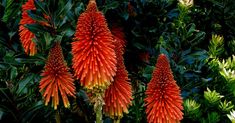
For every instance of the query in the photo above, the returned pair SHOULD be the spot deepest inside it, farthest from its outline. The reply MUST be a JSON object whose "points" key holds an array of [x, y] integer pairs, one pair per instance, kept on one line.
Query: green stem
{"points": [[116, 120], [57, 117], [99, 114]]}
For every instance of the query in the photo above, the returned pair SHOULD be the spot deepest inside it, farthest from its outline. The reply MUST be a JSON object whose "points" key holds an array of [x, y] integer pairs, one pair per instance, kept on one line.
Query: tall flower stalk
{"points": [[94, 59], [163, 101]]}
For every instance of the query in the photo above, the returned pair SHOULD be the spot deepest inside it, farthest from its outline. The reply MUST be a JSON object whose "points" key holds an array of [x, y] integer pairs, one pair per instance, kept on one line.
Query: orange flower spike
{"points": [[25, 35], [56, 78], [118, 95], [163, 101], [94, 59]]}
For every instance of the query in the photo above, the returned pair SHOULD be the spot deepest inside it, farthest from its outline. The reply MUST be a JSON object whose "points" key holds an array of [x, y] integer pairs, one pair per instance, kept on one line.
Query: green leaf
{"points": [[41, 5], [10, 10], [48, 39], [148, 72], [164, 51], [14, 73], [139, 46], [65, 9], [198, 38], [33, 111], [125, 15], [112, 5], [79, 9], [69, 32], [9, 57], [1, 114], [191, 30], [35, 28], [22, 88], [36, 17]]}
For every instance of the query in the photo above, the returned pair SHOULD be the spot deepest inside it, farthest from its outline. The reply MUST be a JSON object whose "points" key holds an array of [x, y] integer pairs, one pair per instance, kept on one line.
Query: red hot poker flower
{"points": [[56, 78], [94, 59], [163, 101], [118, 95], [25, 35]]}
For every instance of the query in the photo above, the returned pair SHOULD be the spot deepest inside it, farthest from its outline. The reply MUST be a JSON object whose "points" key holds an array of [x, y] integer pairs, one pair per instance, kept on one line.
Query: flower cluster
{"points": [[118, 95], [163, 101], [26, 37], [94, 59], [56, 78]]}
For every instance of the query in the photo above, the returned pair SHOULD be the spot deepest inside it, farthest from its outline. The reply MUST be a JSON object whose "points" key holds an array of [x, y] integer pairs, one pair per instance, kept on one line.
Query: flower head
{"points": [[25, 35], [94, 59], [56, 78], [118, 95], [163, 102]]}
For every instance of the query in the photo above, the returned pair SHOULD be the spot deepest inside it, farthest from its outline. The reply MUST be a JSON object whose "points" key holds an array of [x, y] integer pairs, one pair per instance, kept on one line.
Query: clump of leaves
{"points": [[192, 109], [231, 116], [212, 97], [226, 106]]}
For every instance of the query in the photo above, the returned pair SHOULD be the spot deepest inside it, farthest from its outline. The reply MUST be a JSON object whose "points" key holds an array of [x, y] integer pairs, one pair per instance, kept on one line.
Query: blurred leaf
{"points": [[36, 17], [139, 46], [1, 114], [173, 14], [10, 10], [65, 9], [9, 57], [35, 28], [191, 30], [41, 5], [148, 72], [111, 5], [198, 38], [22, 88], [79, 9], [32, 112], [14, 73], [164, 51]]}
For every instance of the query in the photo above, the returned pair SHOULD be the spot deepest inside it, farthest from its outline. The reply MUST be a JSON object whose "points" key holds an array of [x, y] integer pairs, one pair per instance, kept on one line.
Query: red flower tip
{"points": [[163, 101], [119, 35], [91, 7], [25, 35], [118, 95], [94, 59], [56, 78], [29, 5]]}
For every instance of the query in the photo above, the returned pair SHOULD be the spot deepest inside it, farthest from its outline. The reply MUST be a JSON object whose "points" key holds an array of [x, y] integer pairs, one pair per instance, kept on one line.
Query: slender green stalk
{"points": [[57, 117], [99, 114], [116, 120]]}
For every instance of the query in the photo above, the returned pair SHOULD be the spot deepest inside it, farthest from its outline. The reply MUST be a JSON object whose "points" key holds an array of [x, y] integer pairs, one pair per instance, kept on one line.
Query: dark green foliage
{"points": [[199, 41]]}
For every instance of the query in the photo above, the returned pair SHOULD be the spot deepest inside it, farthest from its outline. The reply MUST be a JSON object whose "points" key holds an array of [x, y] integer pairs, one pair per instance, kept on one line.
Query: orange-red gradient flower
{"points": [[56, 78], [94, 59], [118, 95], [163, 102], [119, 35], [25, 35]]}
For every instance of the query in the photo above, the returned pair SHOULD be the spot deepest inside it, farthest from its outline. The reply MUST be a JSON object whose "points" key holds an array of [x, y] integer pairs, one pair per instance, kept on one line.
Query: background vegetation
{"points": [[198, 38]]}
